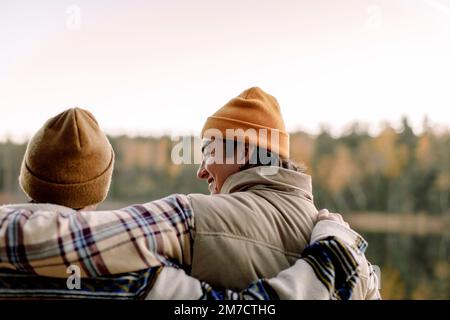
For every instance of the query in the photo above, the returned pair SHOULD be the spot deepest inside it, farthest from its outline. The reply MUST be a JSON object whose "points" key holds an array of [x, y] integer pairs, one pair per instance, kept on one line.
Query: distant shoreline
{"points": [[400, 223], [413, 224], [403, 223]]}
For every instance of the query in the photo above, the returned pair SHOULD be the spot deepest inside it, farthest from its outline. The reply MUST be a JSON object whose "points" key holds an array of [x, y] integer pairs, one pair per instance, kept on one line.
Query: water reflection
{"points": [[412, 267]]}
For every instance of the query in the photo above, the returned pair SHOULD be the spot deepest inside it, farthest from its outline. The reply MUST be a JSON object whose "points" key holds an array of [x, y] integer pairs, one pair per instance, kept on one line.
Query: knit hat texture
{"points": [[252, 109], [69, 161]]}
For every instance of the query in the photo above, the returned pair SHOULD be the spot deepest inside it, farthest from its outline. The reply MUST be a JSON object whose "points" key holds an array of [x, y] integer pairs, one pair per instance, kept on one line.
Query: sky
{"points": [[162, 67]]}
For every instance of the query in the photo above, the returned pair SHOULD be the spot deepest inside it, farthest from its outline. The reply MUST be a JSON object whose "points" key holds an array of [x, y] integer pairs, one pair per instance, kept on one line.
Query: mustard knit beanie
{"points": [[252, 109], [69, 161]]}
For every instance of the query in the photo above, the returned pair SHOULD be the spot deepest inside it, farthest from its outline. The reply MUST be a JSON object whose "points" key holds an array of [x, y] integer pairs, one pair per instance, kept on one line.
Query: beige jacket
{"points": [[256, 227], [298, 282]]}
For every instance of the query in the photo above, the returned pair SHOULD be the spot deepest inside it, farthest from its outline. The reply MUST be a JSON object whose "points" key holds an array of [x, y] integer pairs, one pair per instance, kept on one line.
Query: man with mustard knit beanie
{"points": [[253, 125], [255, 110], [68, 162]]}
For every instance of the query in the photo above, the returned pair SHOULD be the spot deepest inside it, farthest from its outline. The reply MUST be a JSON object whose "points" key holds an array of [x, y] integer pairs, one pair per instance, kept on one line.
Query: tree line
{"points": [[393, 171]]}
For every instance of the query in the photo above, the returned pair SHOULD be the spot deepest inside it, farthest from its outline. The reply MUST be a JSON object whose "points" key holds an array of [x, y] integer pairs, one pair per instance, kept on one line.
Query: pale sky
{"points": [[155, 67]]}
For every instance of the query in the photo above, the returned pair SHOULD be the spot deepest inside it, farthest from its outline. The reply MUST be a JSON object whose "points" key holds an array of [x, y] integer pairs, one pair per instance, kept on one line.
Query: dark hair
{"points": [[263, 157]]}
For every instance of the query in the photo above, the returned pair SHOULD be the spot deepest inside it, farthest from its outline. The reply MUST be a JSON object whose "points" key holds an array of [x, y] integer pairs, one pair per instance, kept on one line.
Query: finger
{"points": [[323, 215], [338, 217]]}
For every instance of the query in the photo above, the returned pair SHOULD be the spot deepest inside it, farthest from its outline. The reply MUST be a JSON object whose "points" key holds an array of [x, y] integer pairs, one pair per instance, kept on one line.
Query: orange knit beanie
{"points": [[69, 161], [253, 111]]}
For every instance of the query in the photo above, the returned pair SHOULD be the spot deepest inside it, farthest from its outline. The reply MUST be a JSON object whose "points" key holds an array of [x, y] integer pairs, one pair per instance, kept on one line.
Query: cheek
{"points": [[222, 172]]}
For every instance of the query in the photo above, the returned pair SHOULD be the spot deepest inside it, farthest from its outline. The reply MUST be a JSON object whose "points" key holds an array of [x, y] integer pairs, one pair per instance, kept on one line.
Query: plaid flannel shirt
{"points": [[333, 263], [119, 252], [46, 242]]}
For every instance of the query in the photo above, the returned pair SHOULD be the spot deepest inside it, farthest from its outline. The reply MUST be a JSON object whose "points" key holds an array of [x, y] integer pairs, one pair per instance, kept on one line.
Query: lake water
{"points": [[412, 266]]}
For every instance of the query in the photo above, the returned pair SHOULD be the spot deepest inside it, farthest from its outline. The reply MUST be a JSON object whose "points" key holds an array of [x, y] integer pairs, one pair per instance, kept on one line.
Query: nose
{"points": [[202, 173]]}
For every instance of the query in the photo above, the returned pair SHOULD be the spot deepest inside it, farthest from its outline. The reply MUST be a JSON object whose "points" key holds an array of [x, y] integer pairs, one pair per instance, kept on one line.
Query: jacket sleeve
{"points": [[369, 288], [46, 242], [327, 270], [373, 284]]}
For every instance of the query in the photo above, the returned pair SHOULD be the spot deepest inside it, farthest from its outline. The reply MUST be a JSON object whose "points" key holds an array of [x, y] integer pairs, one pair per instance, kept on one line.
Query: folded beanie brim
{"points": [[74, 195], [222, 124]]}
